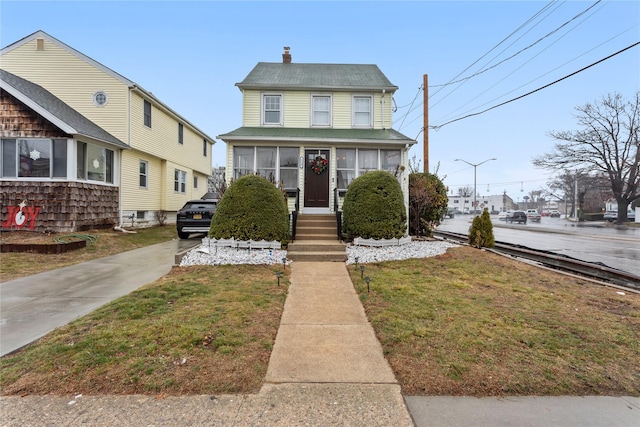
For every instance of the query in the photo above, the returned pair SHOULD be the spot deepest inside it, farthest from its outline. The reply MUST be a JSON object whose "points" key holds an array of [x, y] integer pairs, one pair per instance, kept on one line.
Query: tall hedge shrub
{"points": [[374, 207], [251, 208]]}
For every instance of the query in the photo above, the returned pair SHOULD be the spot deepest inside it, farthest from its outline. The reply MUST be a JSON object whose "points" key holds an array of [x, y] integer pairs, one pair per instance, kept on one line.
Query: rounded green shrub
{"points": [[481, 231], [374, 207], [251, 208]]}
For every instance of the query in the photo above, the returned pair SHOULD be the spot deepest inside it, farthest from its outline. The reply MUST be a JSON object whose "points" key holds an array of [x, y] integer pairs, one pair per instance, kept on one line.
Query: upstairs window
{"points": [[204, 147], [180, 133], [320, 110], [272, 109], [147, 113], [362, 116]]}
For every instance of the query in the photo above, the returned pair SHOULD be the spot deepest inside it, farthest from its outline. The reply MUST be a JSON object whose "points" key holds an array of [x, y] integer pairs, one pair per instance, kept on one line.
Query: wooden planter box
{"points": [[43, 248]]}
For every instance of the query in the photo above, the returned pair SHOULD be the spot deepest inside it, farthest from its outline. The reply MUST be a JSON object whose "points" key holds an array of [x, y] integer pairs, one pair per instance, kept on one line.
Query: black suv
{"points": [[195, 217], [516, 216]]}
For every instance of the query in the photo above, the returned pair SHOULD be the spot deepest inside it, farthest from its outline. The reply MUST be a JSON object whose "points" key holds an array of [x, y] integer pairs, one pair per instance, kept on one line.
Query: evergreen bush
{"points": [[481, 231], [374, 207], [251, 208]]}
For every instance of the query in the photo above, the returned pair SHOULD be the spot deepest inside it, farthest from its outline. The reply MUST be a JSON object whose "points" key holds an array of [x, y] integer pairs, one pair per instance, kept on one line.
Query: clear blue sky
{"points": [[191, 54]]}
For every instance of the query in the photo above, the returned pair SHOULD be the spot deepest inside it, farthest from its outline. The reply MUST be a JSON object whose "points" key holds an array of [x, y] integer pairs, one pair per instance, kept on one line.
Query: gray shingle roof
{"points": [[271, 75], [45, 103], [369, 136]]}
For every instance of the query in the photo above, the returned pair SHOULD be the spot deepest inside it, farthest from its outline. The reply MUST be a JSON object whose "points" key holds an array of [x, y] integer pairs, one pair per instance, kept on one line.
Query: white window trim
{"points": [[322, 95], [262, 109], [353, 110]]}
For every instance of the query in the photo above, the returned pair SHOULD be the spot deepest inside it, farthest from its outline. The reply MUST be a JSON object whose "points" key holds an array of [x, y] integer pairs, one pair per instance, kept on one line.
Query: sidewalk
{"points": [[326, 369]]}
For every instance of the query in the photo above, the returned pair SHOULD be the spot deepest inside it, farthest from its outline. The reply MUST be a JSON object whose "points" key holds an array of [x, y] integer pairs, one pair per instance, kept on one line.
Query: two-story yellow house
{"points": [[160, 160], [315, 128]]}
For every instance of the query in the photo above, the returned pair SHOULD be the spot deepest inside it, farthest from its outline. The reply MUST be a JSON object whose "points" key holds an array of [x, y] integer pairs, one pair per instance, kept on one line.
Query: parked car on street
{"points": [[554, 213], [533, 215], [516, 216], [502, 215], [611, 216], [195, 217]]}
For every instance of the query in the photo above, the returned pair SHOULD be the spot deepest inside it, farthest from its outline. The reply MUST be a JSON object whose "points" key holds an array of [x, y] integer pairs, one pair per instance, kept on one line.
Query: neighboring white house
{"points": [[314, 128], [167, 159]]}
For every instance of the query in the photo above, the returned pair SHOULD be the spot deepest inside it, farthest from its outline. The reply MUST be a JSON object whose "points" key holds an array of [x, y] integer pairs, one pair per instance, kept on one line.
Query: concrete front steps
{"points": [[316, 240]]}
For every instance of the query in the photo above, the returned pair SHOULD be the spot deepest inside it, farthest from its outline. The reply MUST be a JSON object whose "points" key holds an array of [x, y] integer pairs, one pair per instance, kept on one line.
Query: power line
{"points": [[484, 70], [437, 127]]}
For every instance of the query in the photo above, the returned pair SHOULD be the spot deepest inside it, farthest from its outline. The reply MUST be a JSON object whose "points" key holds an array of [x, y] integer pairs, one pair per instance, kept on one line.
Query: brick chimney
{"points": [[286, 56]]}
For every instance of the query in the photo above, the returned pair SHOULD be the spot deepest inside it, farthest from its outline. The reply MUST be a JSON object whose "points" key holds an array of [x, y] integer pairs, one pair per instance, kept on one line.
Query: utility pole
{"points": [[425, 132]]}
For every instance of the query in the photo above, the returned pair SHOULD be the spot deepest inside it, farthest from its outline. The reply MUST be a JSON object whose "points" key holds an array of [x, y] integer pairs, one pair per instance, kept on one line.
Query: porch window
{"points": [[272, 109], [95, 163], [289, 167], [390, 160], [320, 110], [362, 111], [34, 158], [242, 161], [266, 162], [345, 166], [367, 161]]}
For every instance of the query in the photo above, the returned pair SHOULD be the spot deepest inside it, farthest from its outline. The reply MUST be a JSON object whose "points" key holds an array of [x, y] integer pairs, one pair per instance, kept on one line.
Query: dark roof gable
{"points": [[358, 77]]}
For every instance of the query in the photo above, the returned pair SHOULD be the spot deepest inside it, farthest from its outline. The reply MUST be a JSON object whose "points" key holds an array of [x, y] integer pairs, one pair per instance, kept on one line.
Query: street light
{"points": [[475, 165]]}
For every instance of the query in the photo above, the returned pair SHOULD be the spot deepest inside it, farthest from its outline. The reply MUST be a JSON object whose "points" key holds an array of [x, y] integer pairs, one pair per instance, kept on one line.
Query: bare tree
{"points": [[607, 143], [465, 191]]}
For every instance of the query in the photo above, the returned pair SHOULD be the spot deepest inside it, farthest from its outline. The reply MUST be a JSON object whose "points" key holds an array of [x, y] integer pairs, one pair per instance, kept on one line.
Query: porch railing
{"points": [[293, 216]]}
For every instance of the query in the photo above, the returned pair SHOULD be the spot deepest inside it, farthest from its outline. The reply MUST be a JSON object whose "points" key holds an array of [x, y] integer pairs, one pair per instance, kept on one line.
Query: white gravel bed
{"points": [[423, 249], [206, 255], [203, 255]]}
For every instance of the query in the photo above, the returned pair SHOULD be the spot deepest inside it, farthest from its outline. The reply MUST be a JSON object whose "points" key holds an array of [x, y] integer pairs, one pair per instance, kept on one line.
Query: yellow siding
{"points": [[74, 81], [297, 109], [251, 108], [133, 196]]}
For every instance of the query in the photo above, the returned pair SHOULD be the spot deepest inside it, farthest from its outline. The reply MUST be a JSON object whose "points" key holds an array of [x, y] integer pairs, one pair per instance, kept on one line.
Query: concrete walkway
{"points": [[326, 369]]}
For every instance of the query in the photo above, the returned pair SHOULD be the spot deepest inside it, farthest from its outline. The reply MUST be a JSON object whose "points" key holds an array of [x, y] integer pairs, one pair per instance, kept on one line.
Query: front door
{"points": [[316, 179]]}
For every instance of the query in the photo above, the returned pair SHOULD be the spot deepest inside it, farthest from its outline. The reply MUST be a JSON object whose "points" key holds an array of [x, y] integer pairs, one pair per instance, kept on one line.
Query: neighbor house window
{"points": [[271, 109], [320, 110], [242, 161], [345, 166], [266, 162], [289, 167], [362, 116], [147, 113], [94, 163], [195, 182], [144, 173], [204, 147], [34, 158], [179, 181], [180, 133]]}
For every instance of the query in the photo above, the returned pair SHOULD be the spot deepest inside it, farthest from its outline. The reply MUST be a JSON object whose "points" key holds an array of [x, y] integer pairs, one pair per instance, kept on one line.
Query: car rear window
{"points": [[200, 205]]}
